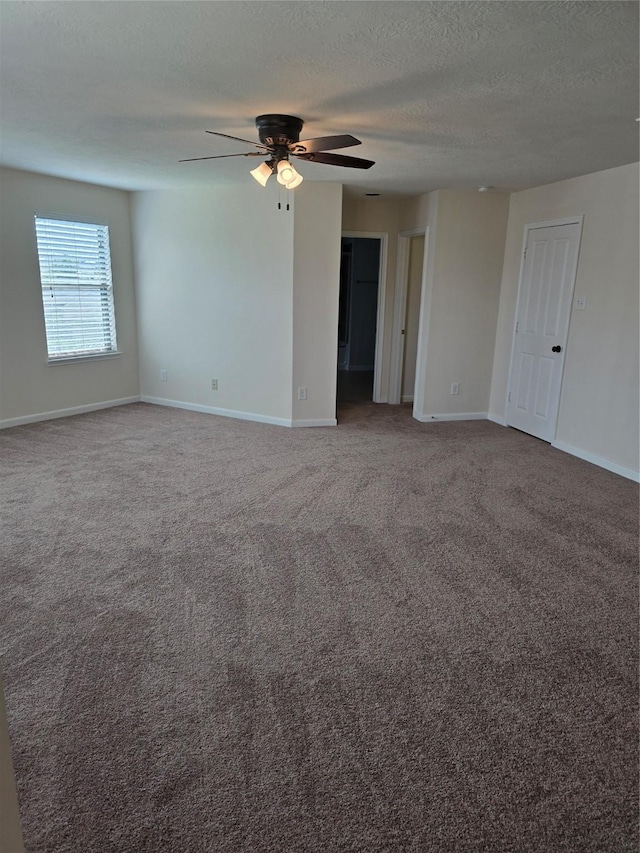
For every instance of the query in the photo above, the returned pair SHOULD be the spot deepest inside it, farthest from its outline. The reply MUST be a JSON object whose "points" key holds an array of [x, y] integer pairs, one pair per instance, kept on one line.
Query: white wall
{"points": [[29, 387], [316, 284], [599, 400]]}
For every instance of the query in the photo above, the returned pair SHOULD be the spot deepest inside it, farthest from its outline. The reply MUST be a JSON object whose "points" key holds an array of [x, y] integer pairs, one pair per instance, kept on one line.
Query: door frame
{"points": [[530, 226], [400, 308], [383, 236]]}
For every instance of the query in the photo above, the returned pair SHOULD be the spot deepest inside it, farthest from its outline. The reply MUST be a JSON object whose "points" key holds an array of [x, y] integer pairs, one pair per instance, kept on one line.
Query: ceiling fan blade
{"points": [[323, 143], [338, 160], [220, 156], [237, 139]]}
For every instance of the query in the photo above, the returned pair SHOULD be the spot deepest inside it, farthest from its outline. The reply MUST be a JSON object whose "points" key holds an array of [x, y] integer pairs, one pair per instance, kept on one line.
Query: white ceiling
{"points": [[442, 94]]}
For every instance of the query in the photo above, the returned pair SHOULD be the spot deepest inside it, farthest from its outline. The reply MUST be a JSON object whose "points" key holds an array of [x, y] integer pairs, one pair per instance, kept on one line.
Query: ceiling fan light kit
{"points": [[280, 140], [262, 173], [287, 174], [295, 181]]}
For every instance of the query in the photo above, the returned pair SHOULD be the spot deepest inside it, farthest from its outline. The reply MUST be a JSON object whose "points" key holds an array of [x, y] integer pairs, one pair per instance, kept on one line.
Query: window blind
{"points": [[77, 293]]}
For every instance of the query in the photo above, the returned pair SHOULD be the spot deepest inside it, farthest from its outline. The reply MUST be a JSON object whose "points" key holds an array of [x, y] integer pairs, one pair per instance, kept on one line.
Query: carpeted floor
{"points": [[230, 637]]}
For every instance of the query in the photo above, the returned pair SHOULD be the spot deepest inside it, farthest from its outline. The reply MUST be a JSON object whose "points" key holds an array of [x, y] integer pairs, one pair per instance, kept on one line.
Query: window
{"points": [[77, 292]]}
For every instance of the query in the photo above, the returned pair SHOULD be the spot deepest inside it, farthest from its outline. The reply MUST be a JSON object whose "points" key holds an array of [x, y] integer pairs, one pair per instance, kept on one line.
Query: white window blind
{"points": [[77, 292]]}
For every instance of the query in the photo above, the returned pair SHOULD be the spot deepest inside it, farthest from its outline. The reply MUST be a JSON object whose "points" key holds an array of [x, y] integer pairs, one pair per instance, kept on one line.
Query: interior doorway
{"points": [[412, 317], [358, 317]]}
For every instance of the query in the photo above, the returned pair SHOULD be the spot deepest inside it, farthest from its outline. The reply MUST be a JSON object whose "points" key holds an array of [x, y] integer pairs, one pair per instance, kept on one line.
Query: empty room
{"points": [[319, 426]]}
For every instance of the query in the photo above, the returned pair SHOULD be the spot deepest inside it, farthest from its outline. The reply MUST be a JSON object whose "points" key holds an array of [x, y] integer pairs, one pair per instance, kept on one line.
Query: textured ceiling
{"points": [[442, 94]]}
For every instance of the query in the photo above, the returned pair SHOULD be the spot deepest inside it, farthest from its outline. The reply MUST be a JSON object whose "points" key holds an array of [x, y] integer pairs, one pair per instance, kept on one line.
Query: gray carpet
{"points": [[389, 636]]}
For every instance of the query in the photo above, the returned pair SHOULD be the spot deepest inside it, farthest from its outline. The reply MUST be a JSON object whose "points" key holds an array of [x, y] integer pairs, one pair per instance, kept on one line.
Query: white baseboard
{"points": [[321, 422], [629, 473], [496, 419], [460, 416], [65, 413], [213, 410], [406, 398]]}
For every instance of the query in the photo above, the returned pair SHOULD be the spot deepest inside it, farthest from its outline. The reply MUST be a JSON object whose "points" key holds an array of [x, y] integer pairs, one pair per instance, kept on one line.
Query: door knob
{"points": [[556, 349]]}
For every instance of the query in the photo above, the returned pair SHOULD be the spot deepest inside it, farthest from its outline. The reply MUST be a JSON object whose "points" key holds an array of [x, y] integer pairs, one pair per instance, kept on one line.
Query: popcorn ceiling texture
{"points": [[225, 637], [442, 94]]}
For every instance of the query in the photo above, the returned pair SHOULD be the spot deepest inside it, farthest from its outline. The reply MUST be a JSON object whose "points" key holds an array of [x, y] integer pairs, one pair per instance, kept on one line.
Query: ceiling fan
{"points": [[280, 140]]}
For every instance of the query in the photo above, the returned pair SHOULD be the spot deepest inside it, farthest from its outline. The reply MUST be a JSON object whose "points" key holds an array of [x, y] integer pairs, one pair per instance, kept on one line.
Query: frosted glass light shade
{"points": [[295, 182], [262, 173], [286, 173]]}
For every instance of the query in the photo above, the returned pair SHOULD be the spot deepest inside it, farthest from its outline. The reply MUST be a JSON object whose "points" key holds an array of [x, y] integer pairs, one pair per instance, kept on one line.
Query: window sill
{"points": [[75, 358]]}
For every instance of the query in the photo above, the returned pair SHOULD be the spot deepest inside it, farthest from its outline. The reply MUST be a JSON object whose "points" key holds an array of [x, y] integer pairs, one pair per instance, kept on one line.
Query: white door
{"points": [[542, 325]]}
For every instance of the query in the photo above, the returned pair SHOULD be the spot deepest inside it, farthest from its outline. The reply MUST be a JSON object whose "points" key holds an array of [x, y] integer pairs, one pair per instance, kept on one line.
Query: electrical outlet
{"points": [[214, 384], [302, 393], [455, 387], [581, 302], [163, 375]]}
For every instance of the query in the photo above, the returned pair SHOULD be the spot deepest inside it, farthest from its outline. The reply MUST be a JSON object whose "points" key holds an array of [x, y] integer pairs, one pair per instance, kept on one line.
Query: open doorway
{"points": [[410, 317], [359, 310]]}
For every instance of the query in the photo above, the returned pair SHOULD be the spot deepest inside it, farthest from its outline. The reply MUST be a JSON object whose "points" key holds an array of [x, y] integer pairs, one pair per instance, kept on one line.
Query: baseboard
{"points": [[213, 410], [629, 473], [460, 416], [321, 422], [406, 398], [65, 413], [496, 419]]}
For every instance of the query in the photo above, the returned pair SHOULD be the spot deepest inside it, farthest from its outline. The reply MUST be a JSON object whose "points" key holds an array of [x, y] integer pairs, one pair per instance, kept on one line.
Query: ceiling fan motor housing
{"points": [[279, 130]]}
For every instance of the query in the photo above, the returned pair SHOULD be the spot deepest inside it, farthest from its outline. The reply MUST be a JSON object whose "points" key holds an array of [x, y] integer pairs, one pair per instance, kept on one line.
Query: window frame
{"points": [[109, 290]]}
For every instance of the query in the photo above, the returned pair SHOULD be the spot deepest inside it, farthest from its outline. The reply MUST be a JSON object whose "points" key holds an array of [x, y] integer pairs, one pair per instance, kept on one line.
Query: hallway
{"points": [[355, 386]]}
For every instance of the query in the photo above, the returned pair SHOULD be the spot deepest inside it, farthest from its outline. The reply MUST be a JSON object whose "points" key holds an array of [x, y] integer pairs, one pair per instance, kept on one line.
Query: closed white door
{"points": [[542, 326]]}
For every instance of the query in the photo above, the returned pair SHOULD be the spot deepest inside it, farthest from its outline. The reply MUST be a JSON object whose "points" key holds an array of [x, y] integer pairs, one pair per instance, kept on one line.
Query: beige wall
{"points": [[459, 303], [599, 399], [231, 288], [469, 248], [214, 279], [316, 283], [28, 385], [222, 275], [417, 212]]}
